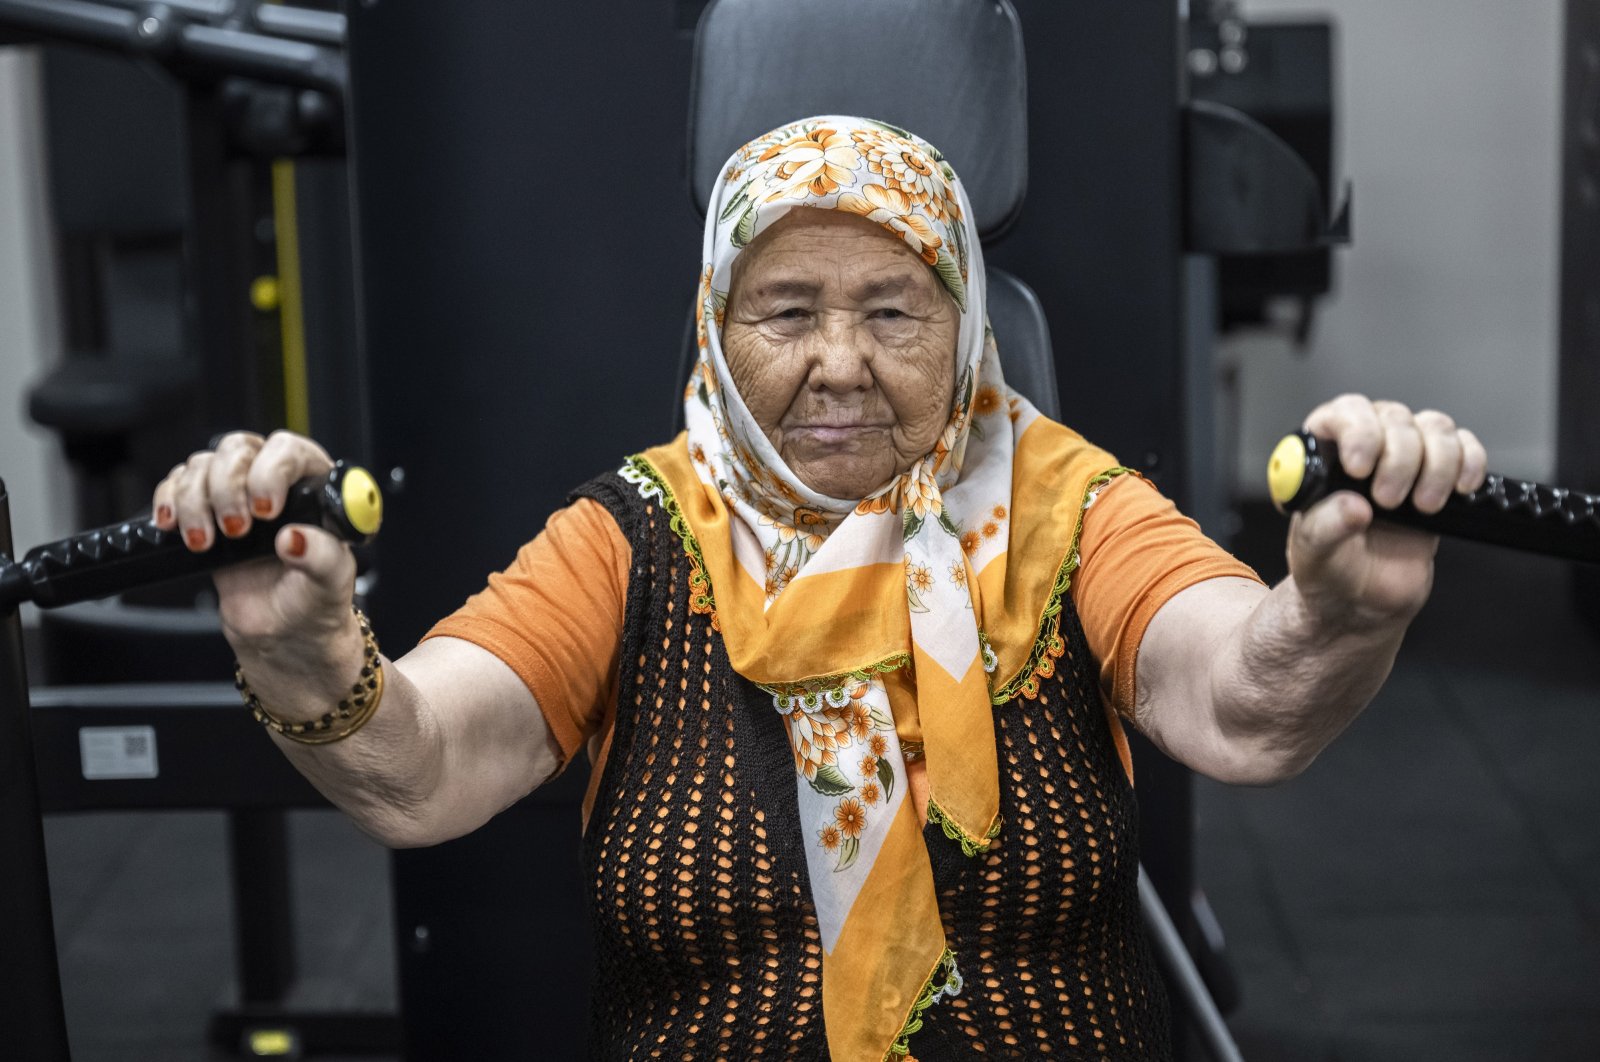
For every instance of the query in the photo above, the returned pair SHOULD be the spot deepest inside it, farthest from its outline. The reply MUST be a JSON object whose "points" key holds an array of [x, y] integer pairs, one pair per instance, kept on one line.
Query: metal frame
{"points": [[31, 1010]]}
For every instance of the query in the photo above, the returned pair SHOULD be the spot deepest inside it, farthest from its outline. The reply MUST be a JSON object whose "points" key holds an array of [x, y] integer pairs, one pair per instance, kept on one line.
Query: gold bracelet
{"points": [[352, 712]]}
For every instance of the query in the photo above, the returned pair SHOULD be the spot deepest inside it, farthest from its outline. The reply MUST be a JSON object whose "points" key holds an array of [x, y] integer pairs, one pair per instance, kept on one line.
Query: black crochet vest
{"points": [[706, 938]]}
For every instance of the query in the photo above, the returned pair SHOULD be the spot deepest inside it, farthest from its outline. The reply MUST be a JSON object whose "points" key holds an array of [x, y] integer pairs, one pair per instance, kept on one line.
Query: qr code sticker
{"points": [[113, 752]]}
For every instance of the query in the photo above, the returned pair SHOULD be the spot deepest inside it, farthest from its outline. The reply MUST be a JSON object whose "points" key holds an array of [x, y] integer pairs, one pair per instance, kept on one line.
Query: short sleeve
{"points": [[1137, 552], [555, 617]]}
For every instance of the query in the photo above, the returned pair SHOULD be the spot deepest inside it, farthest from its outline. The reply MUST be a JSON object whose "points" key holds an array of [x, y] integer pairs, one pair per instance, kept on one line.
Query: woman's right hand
{"points": [[292, 606], [415, 774]]}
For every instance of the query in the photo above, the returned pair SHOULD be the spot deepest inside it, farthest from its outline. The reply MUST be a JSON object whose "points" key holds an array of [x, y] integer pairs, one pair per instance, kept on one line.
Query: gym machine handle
{"points": [[1523, 515], [109, 560]]}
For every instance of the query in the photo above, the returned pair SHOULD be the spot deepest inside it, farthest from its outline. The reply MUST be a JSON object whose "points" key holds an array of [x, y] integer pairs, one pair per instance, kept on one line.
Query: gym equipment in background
{"points": [[346, 502], [275, 43], [1280, 74], [203, 228]]}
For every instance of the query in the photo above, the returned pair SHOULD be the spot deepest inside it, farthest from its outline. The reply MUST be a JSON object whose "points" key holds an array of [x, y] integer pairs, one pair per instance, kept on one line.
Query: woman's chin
{"points": [[844, 476]]}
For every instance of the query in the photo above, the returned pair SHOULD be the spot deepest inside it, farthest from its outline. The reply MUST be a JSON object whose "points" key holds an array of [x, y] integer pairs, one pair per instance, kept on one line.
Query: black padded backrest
{"points": [[1023, 336], [950, 71]]}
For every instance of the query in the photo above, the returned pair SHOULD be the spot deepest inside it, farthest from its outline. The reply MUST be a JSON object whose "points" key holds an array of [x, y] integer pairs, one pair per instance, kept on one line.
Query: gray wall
{"points": [[1450, 120], [30, 461]]}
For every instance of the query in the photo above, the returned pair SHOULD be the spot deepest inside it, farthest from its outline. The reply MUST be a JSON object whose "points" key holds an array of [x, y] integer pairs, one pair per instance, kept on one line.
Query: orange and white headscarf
{"points": [[834, 604]]}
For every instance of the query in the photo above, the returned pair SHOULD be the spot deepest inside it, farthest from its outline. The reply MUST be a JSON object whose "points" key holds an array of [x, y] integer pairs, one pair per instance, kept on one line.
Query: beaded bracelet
{"points": [[350, 715]]}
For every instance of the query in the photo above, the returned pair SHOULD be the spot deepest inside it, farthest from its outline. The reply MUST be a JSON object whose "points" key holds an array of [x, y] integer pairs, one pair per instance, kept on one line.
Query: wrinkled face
{"points": [[842, 343]]}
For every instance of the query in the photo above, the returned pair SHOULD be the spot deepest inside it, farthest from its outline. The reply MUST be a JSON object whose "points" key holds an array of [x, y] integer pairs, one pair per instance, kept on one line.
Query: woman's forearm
{"points": [[456, 738], [384, 774], [1247, 685], [1284, 683]]}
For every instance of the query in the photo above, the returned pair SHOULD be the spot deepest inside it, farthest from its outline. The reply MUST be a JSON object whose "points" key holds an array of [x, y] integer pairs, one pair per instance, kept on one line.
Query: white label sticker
{"points": [[118, 752]]}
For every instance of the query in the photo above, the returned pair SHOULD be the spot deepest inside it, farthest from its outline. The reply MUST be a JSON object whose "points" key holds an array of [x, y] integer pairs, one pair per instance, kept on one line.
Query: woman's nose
{"points": [[840, 359]]}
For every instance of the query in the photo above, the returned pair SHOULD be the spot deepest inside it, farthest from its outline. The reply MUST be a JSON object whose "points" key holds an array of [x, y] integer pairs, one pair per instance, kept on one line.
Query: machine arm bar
{"points": [[273, 19], [164, 34], [266, 58], [284, 20], [76, 21]]}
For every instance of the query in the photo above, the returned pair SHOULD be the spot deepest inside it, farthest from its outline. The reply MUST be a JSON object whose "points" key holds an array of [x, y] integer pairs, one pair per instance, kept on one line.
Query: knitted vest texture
{"points": [[706, 938]]}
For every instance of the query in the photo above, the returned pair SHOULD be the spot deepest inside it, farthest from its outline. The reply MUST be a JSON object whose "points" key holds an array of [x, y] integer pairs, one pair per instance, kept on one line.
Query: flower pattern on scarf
{"points": [[892, 209], [824, 733], [922, 175], [814, 161]]}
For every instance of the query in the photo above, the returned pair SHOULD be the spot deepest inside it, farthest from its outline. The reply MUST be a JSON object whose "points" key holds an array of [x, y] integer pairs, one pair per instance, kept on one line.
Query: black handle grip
{"points": [[109, 560], [1516, 513]]}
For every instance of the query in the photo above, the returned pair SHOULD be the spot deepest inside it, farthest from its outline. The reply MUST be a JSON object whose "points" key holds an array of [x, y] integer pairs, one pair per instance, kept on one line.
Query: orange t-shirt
{"points": [[555, 615]]}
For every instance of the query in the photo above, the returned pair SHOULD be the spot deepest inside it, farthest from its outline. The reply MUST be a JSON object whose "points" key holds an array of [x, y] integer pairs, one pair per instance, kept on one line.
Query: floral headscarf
{"points": [[863, 613]]}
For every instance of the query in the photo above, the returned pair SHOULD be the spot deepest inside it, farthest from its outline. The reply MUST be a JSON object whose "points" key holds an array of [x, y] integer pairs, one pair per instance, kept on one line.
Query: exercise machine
{"points": [[207, 275]]}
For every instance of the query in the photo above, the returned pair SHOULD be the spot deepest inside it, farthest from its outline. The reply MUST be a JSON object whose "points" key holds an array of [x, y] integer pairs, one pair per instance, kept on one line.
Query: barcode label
{"points": [[118, 752]]}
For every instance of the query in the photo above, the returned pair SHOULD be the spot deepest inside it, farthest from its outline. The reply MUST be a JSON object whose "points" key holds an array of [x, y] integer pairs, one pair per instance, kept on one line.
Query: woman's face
{"points": [[842, 343]]}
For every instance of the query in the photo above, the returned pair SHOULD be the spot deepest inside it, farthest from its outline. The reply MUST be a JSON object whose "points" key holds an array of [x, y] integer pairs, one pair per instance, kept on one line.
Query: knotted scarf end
{"points": [[945, 980], [970, 846]]}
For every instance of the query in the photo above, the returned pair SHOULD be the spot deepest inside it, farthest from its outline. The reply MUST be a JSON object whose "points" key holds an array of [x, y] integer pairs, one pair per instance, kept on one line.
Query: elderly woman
{"points": [[850, 655]]}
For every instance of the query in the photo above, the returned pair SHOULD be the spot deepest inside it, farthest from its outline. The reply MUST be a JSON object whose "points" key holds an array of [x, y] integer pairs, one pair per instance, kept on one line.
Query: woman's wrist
{"points": [[301, 680]]}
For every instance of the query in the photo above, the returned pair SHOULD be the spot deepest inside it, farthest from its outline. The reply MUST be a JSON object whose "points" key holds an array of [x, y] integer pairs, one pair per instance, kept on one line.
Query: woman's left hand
{"points": [[1350, 571]]}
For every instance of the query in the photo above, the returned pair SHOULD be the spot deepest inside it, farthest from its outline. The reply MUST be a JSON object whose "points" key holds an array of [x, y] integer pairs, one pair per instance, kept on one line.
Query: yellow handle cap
{"points": [[363, 501], [1286, 470]]}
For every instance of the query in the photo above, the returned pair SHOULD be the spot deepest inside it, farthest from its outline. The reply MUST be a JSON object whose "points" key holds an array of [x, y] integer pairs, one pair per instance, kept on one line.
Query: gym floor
{"points": [[1428, 890], [1430, 887]]}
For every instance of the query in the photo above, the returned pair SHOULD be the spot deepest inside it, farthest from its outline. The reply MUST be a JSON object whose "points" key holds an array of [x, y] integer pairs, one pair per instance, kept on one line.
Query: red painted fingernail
{"points": [[261, 506], [233, 526], [297, 543], [163, 514], [195, 538]]}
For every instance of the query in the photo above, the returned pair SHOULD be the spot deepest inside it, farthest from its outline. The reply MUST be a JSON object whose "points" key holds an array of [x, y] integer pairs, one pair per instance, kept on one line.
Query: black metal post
{"points": [[33, 1022], [1578, 430], [263, 916], [236, 383], [453, 204], [1188, 985]]}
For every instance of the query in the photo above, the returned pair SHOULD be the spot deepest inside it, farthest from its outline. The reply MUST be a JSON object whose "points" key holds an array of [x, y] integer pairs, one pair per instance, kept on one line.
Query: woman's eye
{"points": [[793, 313], [888, 313]]}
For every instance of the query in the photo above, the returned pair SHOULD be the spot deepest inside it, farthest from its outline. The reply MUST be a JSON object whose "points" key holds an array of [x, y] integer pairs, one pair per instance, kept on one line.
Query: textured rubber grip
{"points": [[1516, 513], [134, 553]]}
